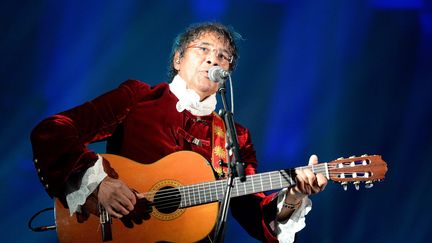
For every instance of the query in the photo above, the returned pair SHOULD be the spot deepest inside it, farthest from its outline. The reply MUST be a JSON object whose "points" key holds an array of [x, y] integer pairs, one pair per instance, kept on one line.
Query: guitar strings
{"points": [[202, 193], [168, 203], [176, 196], [204, 185], [208, 185], [167, 194], [198, 194]]}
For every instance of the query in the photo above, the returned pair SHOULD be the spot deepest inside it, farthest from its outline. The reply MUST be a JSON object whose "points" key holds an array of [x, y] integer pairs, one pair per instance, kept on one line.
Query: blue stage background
{"points": [[335, 78]]}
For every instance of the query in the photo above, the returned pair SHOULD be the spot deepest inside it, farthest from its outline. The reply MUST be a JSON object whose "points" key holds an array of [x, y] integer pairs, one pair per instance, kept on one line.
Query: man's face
{"points": [[209, 50]]}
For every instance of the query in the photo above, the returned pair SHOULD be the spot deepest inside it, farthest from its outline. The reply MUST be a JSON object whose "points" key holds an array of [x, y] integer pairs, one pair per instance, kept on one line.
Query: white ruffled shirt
{"points": [[188, 100], [78, 191]]}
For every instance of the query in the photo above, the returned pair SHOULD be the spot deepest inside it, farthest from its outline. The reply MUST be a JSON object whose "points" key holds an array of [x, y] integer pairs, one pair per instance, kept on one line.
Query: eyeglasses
{"points": [[224, 57]]}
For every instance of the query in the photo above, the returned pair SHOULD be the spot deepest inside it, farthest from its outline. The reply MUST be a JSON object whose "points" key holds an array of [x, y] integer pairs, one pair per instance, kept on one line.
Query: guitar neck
{"points": [[214, 191]]}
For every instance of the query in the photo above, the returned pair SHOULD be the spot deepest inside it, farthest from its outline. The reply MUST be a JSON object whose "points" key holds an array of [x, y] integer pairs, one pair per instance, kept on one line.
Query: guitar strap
{"points": [[219, 152]]}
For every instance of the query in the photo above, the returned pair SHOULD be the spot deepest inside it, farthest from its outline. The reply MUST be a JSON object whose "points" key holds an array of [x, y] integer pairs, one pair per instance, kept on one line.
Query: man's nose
{"points": [[212, 58]]}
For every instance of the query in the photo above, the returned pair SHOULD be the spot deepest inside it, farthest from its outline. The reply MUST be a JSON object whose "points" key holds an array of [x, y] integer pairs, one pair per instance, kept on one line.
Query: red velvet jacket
{"points": [[141, 123]]}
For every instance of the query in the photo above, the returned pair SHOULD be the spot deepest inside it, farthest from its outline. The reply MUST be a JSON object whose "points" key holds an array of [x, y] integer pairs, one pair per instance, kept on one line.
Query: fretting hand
{"points": [[307, 183]]}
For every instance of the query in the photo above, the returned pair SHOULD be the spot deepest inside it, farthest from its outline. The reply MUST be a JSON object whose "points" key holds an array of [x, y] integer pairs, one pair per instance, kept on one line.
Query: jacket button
{"points": [[35, 161]]}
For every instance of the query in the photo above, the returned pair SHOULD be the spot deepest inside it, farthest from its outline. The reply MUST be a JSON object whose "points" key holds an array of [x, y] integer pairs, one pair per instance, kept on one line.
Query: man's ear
{"points": [[176, 61]]}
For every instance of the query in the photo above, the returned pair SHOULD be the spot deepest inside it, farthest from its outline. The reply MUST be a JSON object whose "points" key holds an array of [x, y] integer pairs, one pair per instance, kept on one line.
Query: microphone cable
{"points": [[40, 228]]}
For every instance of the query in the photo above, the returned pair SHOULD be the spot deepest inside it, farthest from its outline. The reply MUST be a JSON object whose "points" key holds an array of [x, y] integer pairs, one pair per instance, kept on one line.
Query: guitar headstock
{"points": [[366, 168]]}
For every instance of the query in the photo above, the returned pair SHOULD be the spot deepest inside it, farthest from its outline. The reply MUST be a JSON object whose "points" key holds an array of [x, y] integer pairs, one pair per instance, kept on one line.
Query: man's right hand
{"points": [[116, 197]]}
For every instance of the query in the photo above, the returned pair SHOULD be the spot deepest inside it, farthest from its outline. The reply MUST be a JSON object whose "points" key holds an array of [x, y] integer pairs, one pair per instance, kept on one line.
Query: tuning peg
{"points": [[340, 158], [364, 155], [344, 185], [368, 184], [357, 185]]}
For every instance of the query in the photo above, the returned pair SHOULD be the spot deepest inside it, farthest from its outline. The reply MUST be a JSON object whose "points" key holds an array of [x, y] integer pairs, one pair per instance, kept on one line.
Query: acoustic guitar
{"points": [[181, 196]]}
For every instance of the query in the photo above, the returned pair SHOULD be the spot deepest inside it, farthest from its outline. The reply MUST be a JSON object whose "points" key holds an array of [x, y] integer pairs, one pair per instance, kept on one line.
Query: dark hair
{"points": [[194, 31]]}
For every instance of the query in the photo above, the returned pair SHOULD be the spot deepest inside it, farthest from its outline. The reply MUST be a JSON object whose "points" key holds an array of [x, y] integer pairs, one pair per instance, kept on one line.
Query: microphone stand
{"points": [[235, 166]]}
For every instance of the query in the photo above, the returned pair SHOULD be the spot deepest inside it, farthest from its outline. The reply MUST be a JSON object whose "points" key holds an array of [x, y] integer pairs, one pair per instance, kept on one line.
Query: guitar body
{"points": [[189, 224]]}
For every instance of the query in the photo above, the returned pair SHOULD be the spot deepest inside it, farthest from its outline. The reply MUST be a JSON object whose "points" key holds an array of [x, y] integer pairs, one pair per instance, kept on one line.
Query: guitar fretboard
{"points": [[214, 191]]}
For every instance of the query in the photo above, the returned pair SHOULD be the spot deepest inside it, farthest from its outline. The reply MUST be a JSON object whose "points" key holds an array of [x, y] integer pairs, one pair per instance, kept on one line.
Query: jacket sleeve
{"points": [[254, 212], [60, 142]]}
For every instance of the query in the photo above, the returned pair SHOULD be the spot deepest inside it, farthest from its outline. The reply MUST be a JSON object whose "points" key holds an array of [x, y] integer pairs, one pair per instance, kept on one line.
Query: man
{"points": [[145, 123]]}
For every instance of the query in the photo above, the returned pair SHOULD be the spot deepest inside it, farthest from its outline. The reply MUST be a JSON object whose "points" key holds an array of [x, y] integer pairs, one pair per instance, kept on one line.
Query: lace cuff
{"points": [[78, 191], [286, 230]]}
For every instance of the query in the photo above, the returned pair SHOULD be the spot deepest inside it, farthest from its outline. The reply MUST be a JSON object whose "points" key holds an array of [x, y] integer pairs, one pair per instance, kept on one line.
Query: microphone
{"points": [[217, 74]]}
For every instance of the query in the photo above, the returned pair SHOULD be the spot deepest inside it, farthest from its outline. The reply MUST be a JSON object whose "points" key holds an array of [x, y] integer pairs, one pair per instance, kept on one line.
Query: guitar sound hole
{"points": [[167, 200]]}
